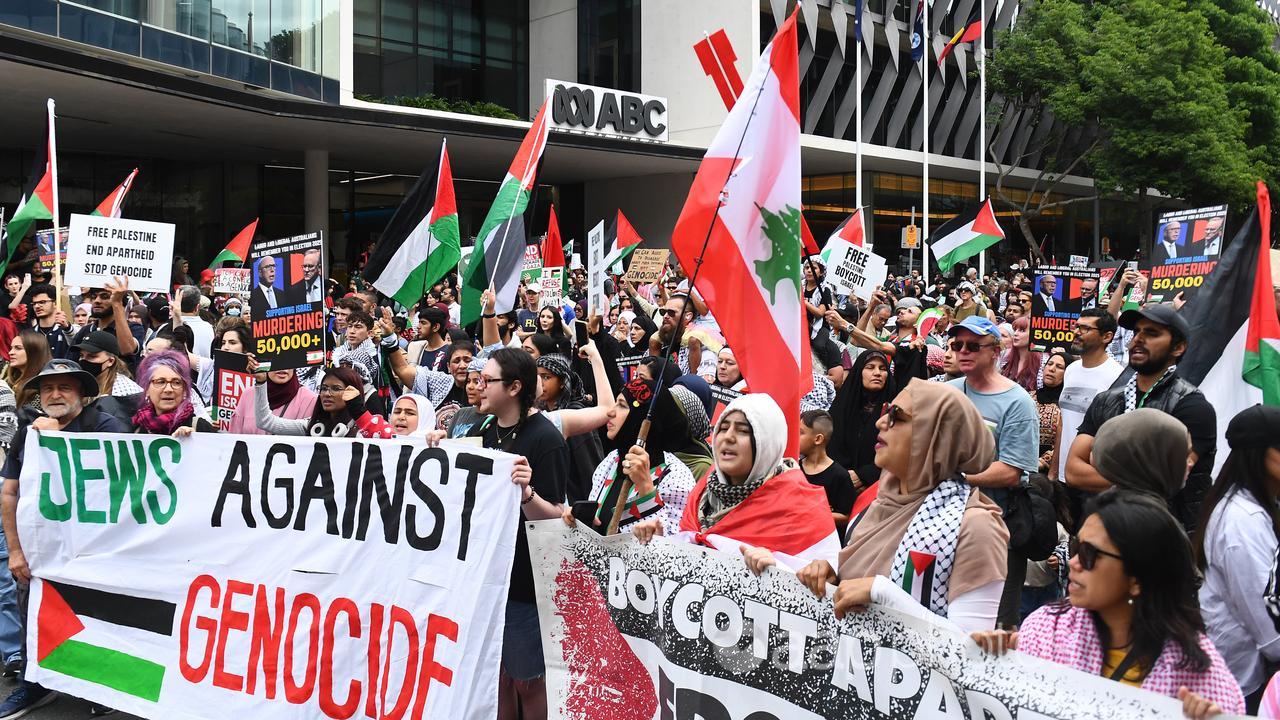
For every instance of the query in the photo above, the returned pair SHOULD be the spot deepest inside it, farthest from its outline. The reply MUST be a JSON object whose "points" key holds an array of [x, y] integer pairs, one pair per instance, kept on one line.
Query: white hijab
{"points": [[426, 415], [768, 428]]}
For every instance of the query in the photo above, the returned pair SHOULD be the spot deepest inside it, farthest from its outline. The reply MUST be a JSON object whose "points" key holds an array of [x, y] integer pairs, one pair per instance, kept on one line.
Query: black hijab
{"points": [[668, 431], [855, 412]]}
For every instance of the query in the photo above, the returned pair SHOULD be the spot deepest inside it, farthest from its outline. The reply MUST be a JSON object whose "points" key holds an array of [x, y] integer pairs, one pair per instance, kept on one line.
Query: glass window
{"points": [[609, 43], [188, 17], [38, 15], [242, 25], [397, 20], [295, 33], [124, 8], [399, 76]]}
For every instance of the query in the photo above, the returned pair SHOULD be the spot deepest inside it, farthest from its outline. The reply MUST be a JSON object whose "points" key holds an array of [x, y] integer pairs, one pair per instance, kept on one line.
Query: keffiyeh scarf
{"points": [[926, 555], [1131, 389]]}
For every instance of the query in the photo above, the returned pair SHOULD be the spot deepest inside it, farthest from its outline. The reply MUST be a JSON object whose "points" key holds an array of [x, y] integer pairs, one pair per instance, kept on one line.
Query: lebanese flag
{"points": [[622, 239], [238, 249], [114, 203], [40, 201], [1234, 353], [747, 193]]}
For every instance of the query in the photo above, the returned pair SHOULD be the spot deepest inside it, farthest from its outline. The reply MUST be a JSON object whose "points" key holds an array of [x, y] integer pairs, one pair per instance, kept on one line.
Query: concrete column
{"points": [[316, 192]]}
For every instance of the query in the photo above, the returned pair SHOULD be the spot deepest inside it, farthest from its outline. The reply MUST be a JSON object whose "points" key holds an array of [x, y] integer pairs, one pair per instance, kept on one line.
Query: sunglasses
{"points": [[1088, 554], [973, 347], [667, 312]]}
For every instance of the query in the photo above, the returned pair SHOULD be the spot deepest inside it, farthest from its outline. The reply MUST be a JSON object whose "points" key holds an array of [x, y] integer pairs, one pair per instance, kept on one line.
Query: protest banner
{"points": [[722, 396], [231, 381], [288, 331], [597, 301], [46, 249], [1058, 295], [1184, 251], [233, 281], [627, 364], [669, 630], [647, 265], [100, 249], [1078, 260], [552, 280], [532, 269], [267, 577], [855, 270]]}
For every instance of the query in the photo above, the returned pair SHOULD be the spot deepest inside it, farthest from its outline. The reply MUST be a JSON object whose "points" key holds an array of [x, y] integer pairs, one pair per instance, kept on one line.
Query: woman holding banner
{"points": [[1131, 614], [285, 396], [167, 404], [412, 416], [340, 413], [928, 438]]}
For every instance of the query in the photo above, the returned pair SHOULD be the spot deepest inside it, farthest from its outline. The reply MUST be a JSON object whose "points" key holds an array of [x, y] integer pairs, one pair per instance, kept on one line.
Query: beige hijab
{"points": [[948, 435]]}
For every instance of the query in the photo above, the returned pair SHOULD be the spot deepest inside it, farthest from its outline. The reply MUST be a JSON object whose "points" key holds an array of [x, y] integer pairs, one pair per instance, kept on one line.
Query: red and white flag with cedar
{"points": [[747, 193]]}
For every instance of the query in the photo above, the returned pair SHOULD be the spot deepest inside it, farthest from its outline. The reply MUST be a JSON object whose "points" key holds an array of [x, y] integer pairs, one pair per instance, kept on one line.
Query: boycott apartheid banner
{"points": [[100, 249], [267, 577], [231, 381], [1184, 251], [855, 270], [647, 265], [288, 329], [669, 630], [1059, 294]]}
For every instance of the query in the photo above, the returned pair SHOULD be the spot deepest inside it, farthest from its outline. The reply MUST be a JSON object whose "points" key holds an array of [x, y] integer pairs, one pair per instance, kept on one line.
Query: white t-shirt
{"points": [[1079, 385]]}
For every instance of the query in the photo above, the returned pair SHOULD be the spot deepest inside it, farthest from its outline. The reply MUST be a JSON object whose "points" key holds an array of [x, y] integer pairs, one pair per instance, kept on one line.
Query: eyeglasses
{"points": [[332, 389], [485, 380], [668, 312], [1084, 328], [42, 302], [896, 415], [965, 346], [1088, 554], [159, 383]]}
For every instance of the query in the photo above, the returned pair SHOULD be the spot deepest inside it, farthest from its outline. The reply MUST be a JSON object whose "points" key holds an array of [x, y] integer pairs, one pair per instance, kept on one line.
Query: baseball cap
{"points": [[99, 341], [533, 286], [907, 302], [976, 325], [1163, 314]]}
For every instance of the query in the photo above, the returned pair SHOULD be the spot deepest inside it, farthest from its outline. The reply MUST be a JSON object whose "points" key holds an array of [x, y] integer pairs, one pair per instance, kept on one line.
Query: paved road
{"points": [[64, 708]]}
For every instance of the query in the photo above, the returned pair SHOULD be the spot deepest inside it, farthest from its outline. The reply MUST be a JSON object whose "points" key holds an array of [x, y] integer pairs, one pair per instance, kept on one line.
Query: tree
{"points": [[1140, 90]]}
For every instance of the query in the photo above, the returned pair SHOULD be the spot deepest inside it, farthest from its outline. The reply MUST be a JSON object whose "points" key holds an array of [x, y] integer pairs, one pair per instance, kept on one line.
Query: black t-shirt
{"points": [[835, 480], [544, 447]]}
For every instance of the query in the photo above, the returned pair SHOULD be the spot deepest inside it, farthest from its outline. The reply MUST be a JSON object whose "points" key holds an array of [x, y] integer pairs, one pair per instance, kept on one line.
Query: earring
{"points": [[1130, 601]]}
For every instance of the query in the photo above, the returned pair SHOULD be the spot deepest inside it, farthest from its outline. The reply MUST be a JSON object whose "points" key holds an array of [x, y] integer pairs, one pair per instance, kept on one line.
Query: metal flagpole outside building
{"points": [[982, 120], [924, 73], [857, 162]]}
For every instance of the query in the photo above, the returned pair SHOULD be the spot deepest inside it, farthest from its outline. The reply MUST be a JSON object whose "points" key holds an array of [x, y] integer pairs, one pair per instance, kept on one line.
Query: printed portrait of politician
{"points": [[1047, 298], [310, 287], [1213, 229], [1169, 244], [268, 293]]}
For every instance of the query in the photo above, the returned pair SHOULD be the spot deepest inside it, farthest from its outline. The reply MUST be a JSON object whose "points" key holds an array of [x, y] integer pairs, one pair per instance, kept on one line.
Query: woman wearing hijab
{"points": [[285, 396], [754, 501], [1131, 614], [727, 373], [412, 416], [929, 437], [1235, 546], [340, 413], [859, 403], [1046, 397], [560, 396], [167, 407], [1145, 450], [657, 489]]}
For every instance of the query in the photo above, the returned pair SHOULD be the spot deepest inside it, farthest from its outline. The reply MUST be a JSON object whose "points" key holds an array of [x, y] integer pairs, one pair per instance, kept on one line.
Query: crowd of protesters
{"points": [[1068, 497]]}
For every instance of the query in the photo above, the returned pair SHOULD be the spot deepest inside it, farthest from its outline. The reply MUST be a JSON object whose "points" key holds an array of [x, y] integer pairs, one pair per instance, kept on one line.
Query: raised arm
{"points": [[577, 422], [119, 289], [385, 329], [489, 334]]}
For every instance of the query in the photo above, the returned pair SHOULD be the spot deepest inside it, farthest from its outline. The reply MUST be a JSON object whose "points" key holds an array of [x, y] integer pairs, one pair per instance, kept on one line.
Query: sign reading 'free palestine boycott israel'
{"points": [[261, 577], [667, 630]]}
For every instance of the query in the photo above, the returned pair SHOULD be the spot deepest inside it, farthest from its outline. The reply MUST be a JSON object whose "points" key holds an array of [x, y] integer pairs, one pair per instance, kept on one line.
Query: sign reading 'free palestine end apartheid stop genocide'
{"points": [[101, 249], [248, 577]]}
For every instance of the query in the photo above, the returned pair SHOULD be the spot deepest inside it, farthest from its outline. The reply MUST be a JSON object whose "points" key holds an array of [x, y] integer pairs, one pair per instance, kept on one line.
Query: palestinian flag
{"points": [[238, 249], [40, 201], [499, 251], [114, 203], [851, 230], [965, 235], [621, 239], [421, 243], [1234, 351], [101, 638], [970, 31], [917, 577], [747, 194]]}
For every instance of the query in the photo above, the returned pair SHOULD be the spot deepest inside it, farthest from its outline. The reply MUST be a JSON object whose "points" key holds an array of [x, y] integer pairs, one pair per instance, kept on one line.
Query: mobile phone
{"points": [[580, 332], [584, 511], [1131, 265]]}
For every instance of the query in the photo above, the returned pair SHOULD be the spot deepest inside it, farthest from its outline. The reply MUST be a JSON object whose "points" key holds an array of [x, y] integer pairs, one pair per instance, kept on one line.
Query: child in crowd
{"points": [[820, 469]]}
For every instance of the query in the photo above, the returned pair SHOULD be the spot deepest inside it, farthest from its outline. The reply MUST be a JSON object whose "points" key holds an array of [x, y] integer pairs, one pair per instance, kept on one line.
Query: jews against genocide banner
{"points": [[632, 632], [231, 381], [855, 270], [1185, 251], [288, 329], [103, 248], [1058, 296], [267, 577]]}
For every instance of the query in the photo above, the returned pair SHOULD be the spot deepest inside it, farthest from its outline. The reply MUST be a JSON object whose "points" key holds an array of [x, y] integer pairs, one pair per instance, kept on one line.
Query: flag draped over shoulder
{"points": [[114, 203], [499, 252], [747, 193], [238, 249], [965, 235], [1233, 354], [41, 197], [421, 243]]}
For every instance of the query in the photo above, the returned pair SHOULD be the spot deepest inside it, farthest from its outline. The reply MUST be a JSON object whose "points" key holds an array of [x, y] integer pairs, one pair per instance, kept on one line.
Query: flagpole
{"points": [[924, 72], [857, 23], [506, 227], [982, 121], [57, 236], [426, 271]]}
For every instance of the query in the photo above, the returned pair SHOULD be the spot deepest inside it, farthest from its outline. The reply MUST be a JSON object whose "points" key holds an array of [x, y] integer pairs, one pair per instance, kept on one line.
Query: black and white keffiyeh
{"points": [[362, 358], [1131, 389], [926, 555]]}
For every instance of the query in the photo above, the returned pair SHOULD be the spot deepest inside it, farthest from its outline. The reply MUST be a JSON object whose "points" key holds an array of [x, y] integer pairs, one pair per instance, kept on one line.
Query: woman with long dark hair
{"points": [[550, 323], [340, 413], [1131, 613], [1235, 545], [28, 354]]}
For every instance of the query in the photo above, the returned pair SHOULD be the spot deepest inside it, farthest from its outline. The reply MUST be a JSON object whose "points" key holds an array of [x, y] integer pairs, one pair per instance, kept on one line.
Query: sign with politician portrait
{"points": [[1059, 294], [1185, 250], [286, 302]]}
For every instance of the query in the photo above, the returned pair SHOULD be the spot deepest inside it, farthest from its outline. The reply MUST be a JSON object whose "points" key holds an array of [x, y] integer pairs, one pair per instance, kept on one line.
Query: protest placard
{"points": [[532, 268], [676, 630], [597, 301], [231, 381], [1078, 260], [552, 281], [286, 301], [647, 265], [100, 249], [46, 249], [268, 577], [855, 270], [233, 281], [1184, 251], [1058, 295]]}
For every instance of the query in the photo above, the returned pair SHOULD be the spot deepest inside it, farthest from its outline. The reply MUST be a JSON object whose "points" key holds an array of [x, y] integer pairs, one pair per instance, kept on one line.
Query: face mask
{"points": [[93, 368], [233, 312]]}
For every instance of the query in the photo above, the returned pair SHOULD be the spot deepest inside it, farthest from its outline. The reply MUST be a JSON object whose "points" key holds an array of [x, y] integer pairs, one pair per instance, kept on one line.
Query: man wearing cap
{"points": [[1160, 338], [1011, 415], [527, 316], [100, 357], [64, 389], [107, 314]]}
